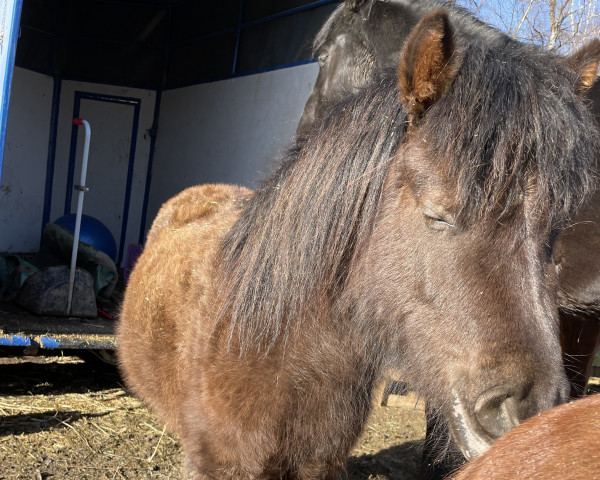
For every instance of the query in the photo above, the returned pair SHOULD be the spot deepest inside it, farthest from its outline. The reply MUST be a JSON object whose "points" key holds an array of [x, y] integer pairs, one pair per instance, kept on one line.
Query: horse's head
{"points": [[359, 38], [362, 37], [495, 158], [346, 60]]}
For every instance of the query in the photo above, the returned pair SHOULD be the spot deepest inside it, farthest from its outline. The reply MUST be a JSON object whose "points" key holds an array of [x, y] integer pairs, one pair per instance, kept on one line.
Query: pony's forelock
{"points": [[525, 124]]}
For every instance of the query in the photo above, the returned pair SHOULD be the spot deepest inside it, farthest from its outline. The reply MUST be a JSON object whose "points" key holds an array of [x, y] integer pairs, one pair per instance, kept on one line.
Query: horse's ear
{"points": [[429, 62], [585, 62], [353, 5]]}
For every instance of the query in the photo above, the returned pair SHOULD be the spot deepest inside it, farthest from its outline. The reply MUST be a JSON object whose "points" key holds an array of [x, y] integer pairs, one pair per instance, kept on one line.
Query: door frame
{"points": [[136, 104]]}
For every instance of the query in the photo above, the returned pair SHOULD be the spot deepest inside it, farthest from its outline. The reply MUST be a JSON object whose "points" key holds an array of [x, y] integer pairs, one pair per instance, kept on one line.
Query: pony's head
{"points": [[418, 219], [499, 152]]}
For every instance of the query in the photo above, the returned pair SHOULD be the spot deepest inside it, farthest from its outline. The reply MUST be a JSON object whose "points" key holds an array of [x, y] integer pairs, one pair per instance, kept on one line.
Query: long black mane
{"points": [[509, 115], [299, 230]]}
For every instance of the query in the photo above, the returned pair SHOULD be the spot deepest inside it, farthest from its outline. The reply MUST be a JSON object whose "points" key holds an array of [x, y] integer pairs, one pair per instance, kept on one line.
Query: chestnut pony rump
{"points": [[257, 324], [559, 443]]}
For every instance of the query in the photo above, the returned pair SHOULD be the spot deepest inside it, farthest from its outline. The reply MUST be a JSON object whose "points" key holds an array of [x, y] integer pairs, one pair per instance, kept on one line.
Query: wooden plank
{"points": [[23, 329]]}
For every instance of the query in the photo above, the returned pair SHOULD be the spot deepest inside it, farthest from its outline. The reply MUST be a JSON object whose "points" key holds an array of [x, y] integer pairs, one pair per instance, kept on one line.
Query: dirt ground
{"points": [[63, 418]]}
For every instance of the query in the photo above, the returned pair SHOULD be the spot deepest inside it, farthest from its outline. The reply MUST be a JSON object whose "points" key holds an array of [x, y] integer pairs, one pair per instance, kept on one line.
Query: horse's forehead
{"points": [[349, 27], [342, 37], [430, 182], [339, 39], [428, 176]]}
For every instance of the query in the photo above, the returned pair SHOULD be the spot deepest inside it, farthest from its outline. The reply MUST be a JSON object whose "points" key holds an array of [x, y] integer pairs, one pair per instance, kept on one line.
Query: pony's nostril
{"points": [[476, 426], [497, 413]]}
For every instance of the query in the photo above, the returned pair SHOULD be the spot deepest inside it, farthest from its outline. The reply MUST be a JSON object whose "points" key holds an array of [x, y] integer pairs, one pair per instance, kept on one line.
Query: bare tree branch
{"points": [[561, 25], [523, 18]]}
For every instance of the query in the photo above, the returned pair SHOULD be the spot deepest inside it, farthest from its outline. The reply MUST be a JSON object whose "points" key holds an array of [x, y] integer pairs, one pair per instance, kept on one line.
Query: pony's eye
{"points": [[438, 222], [323, 59]]}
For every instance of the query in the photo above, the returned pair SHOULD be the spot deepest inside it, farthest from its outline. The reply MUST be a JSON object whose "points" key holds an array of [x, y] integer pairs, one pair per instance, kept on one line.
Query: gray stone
{"points": [[45, 293]]}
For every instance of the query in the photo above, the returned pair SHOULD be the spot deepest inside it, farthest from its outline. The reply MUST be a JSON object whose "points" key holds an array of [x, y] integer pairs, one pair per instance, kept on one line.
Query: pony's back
{"points": [[559, 443], [174, 267]]}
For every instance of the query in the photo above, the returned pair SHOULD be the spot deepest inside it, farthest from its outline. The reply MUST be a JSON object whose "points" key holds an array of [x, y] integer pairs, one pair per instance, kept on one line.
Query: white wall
{"points": [[25, 156], [230, 131], [26, 151]]}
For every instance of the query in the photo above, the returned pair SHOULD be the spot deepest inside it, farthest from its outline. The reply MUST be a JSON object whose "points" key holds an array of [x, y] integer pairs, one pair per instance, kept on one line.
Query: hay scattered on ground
{"points": [[65, 419], [62, 418]]}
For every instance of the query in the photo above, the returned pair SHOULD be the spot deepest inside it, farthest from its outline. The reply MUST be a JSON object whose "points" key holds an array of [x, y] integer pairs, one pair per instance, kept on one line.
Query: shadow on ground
{"points": [[48, 375]]}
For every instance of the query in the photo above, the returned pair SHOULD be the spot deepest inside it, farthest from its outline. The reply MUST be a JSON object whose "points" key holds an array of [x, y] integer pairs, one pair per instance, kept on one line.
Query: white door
{"points": [[113, 122]]}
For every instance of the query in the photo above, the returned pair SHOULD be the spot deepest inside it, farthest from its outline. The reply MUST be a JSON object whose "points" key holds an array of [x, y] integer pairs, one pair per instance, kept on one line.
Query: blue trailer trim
{"points": [[246, 74], [268, 69], [51, 160], [149, 168], [85, 342], [11, 38], [47, 342], [15, 341], [132, 147], [21, 329]]}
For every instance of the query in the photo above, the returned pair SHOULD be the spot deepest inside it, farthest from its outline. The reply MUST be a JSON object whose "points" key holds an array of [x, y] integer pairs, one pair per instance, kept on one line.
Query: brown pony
{"points": [[363, 36], [559, 443], [413, 226]]}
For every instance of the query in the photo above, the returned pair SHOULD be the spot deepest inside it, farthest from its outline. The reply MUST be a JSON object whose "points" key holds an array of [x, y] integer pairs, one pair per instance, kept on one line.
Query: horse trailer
{"points": [[176, 93]]}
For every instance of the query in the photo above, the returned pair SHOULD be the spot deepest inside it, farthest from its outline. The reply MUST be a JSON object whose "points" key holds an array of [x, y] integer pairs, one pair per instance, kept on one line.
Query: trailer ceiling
{"points": [[165, 44]]}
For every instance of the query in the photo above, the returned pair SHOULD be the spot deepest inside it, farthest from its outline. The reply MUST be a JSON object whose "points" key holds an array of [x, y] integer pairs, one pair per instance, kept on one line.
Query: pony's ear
{"points": [[429, 62], [353, 5], [585, 62]]}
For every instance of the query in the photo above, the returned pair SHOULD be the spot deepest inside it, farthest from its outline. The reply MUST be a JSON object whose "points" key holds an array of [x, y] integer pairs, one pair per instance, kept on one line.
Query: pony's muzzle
{"points": [[495, 412]]}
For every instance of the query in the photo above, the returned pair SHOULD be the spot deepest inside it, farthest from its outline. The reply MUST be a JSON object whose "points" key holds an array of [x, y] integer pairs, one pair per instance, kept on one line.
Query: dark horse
{"points": [[413, 226], [363, 36]]}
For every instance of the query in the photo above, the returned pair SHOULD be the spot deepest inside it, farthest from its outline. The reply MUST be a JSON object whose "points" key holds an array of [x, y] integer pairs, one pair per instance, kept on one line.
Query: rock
{"points": [[45, 293]]}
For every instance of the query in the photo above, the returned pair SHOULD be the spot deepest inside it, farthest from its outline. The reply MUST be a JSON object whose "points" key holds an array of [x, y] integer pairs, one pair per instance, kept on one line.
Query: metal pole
{"points": [[81, 189]]}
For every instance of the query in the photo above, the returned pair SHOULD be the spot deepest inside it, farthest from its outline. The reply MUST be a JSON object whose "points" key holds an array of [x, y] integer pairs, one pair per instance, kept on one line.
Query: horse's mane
{"points": [[298, 231], [510, 116]]}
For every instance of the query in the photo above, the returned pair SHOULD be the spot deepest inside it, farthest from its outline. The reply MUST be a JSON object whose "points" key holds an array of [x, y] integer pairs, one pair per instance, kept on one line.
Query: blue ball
{"points": [[92, 231]]}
